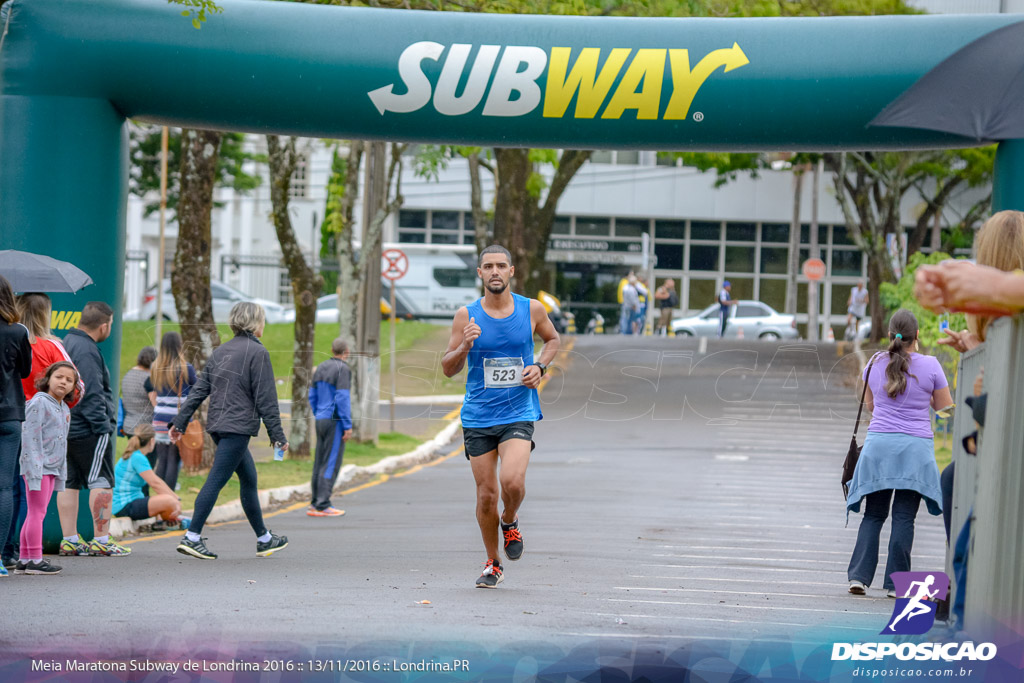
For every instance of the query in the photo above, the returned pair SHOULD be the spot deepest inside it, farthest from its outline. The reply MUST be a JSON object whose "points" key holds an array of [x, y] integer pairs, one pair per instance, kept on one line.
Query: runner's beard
{"points": [[497, 289]]}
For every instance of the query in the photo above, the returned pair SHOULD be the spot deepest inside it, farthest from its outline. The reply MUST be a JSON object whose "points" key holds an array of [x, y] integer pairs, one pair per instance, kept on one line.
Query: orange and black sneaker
{"points": [[513, 540], [492, 575]]}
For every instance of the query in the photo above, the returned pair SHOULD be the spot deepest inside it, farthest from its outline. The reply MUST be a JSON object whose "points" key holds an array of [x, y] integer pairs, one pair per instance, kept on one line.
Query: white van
{"points": [[441, 279]]}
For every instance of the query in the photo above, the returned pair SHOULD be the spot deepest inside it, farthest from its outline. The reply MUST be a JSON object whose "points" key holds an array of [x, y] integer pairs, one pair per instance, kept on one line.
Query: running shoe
{"points": [[41, 568], [313, 512], [513, 540], [858, 588], [67, 548], [3, 571], [10, 562], [196, 549], [491, 577], [891, 593], [108, 549], [19, 568], [272, 546]]}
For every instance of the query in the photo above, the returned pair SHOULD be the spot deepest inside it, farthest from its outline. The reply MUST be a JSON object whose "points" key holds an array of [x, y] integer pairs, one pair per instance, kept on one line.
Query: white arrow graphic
{"points": [[411, 73]]}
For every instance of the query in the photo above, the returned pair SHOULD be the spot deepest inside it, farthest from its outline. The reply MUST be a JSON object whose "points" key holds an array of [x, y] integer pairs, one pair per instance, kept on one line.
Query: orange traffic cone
{"points": [[739, 332], [831, 336]]}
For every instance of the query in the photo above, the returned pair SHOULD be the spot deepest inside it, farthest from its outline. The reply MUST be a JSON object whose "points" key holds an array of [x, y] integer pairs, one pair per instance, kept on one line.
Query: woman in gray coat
{"points": [[239, 381]]}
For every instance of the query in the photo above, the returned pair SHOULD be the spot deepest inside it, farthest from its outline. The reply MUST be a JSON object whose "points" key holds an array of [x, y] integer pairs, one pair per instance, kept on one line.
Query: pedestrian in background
{"points": [[15, 365], [630, 305], [138, 409], [44, 446], [90, 438], [134, 478], [897, 465], [331, 403], [171, 378], [667, 300], [239, 381], [725, 302]]}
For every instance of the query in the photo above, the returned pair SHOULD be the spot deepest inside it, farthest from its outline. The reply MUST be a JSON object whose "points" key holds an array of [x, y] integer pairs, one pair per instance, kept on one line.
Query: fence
{"points": [[994, 484]]}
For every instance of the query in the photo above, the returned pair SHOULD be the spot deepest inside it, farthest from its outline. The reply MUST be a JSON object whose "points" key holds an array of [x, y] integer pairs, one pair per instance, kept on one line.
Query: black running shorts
{"points": [[480, 440], [91, 462], [137, 509]]}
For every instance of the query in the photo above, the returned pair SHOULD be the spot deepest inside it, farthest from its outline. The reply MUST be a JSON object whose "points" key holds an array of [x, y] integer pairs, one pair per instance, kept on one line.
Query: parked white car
{"points": [[224, 297], [327, 310], [758, 320]]}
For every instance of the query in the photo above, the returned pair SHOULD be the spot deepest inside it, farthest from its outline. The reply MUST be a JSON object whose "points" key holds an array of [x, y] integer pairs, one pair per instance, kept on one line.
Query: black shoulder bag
{"points": [[853, 455]]}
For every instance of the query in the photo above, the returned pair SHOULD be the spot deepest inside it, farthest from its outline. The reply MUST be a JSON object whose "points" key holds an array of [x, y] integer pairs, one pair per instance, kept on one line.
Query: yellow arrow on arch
{"points": [[686, 83]]}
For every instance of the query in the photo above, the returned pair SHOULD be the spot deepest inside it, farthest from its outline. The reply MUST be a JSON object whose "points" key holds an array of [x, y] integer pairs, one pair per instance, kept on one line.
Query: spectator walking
{"points": [[171, 378], [15, 365], [667, 300], [137, 407], [90, 438], [134, 474], [630, 305], [725, 302], [44, 447], [897, 464], [239, 380], [329, 398]]}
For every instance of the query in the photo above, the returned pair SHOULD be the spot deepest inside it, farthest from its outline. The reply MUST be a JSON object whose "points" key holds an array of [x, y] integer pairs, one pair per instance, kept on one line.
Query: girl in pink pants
{"points": [[44, 441]]}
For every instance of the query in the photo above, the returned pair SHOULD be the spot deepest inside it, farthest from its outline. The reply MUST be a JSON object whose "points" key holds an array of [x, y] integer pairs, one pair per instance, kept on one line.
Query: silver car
{"points": [[757, 320], [224, 297]]}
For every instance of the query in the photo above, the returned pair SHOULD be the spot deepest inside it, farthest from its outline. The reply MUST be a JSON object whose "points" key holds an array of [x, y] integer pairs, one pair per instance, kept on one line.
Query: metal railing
{"points": [[994, 484]]}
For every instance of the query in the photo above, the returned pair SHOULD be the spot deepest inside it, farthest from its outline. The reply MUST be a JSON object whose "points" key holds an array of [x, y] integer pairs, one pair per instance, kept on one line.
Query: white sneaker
{"points": [[891, 593], [858, 588]]}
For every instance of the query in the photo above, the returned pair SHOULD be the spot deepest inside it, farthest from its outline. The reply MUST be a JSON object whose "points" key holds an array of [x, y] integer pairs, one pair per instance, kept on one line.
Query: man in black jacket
{"points": [[90, 438]]}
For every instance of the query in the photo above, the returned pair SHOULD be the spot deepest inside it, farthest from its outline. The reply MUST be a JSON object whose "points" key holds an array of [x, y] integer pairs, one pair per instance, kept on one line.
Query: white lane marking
{"points": [[759, 582], [715, 590], [729, 456], [721, 606], [749, 559], [702, 346], [678, 617]]}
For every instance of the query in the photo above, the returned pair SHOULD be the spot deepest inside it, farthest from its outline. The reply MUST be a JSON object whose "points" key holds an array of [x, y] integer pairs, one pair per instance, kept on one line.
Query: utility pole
{"points": [[164, 133], [794, 242], [812, 286], [368, 322]]}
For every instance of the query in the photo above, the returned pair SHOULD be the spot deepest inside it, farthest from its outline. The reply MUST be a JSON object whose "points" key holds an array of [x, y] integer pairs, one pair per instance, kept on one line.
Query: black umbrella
{"points": [[977, 92], [37, 273]]}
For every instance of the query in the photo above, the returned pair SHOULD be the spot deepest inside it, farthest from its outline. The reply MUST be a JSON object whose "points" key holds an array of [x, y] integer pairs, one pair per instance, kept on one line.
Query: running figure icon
{"points": [[915, 605]]}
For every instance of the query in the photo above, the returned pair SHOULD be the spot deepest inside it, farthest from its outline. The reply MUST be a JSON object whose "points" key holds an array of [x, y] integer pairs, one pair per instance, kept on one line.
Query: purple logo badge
{"points": [[916, 596]]}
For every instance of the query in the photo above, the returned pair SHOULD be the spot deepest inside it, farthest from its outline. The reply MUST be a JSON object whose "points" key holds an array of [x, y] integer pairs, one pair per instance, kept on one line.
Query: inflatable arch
{"points": [[71, 73]]}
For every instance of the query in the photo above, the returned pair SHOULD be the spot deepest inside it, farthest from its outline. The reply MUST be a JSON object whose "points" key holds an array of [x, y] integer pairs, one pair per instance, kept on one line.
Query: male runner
{"points": [[495, 333]]}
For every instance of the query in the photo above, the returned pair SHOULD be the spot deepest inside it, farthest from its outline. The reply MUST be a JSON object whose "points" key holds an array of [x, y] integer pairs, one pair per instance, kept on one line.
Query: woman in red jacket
{"points": [[46, 348]]}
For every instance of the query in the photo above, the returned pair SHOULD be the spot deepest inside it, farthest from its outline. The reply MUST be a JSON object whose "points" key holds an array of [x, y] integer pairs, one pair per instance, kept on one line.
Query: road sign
{"points": [[814, 269], [394, 264]]}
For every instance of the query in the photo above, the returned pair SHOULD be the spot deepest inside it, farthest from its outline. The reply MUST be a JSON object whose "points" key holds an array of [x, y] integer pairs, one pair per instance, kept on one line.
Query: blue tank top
{"points": [[510, 337]]}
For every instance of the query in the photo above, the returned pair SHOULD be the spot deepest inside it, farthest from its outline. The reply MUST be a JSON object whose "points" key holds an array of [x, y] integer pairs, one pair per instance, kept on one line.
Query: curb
{"points": [[350, 475]]}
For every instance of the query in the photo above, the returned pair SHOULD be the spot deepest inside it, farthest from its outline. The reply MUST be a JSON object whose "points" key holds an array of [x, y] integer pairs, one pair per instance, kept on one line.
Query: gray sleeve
{"points": [[196, 395], [265, 394]]}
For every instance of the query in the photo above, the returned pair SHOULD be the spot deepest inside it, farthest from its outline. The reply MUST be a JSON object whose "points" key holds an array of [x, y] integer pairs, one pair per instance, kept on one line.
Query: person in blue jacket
{"points": [[332, 408]]}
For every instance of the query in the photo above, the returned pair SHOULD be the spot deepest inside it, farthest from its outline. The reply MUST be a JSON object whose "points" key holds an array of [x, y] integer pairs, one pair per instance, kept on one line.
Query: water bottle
{"points": [[943, 322], [278, 452]]}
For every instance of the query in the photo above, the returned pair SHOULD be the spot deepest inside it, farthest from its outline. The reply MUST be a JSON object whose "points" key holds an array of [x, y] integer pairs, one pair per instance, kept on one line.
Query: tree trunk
{"points": [[348, 265], [306, 284], [190, 279], [521, 224], [793, 268], [481, 226]]}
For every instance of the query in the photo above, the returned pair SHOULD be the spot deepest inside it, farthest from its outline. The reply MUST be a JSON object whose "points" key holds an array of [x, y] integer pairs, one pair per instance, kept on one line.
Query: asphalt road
{"points": [[678, 492]]}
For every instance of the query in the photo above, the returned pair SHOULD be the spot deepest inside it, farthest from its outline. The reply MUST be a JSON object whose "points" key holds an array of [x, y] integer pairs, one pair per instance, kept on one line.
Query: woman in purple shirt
{"points": [[897, 464]]}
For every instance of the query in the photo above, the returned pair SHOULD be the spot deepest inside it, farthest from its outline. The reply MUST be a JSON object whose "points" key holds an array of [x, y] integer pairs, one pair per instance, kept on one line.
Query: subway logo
{"points": [[64, 320], [589, 78]]}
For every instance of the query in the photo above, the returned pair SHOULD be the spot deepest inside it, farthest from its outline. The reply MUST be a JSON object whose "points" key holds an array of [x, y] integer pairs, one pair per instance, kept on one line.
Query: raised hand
{"points": [[470, 333]]}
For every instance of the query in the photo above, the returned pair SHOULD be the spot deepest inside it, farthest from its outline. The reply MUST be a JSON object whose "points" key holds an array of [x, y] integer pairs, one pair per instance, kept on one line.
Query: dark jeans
{"points": [[901, 538], [723, 321], [330, 451], [20, 510], [168, 463], [947, 496], [10, 450], [232, 456]]}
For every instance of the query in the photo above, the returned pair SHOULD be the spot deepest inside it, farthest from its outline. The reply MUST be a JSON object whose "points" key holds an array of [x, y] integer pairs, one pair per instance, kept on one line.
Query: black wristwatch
{"points": [[543, 368]]}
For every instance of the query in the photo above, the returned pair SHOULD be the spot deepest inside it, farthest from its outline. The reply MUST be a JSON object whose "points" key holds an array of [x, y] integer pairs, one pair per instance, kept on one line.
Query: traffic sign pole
{"points": [[394, 264], [393, 383]]}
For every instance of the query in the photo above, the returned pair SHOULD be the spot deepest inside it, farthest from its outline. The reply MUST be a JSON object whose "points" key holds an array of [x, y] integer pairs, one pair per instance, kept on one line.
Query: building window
{"points": [[840, 235], [703, 257], [631, 227], [773, 293], [705, 230], [299, 185], [284, 288], [412, 236], [444, 237], [670, 230], [601, 156], [774, 260], [775, 232], [739, 259], [846, 262], [593, 227], [561, 225], [627, 157], [669, 256], [805, 234], [412, 219], [444, 220], [702, 294], [740, 232]]}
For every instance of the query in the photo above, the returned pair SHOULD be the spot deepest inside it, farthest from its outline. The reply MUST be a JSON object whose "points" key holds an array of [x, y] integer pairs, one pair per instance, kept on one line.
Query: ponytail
{"points": [[141, 437], [903, 333]]}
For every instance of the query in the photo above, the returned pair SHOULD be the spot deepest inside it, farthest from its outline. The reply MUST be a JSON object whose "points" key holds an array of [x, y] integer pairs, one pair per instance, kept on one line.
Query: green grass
{"points": [[943, 454], [274, 474], [418, 348]]}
